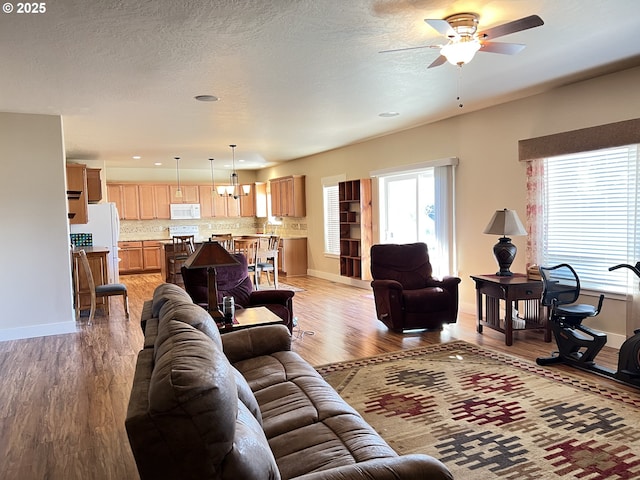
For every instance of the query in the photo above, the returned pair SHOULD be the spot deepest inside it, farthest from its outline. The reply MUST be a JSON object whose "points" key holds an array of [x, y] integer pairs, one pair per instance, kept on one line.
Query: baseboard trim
{"points": [[332, 277], [614, 340], [42, 330]]}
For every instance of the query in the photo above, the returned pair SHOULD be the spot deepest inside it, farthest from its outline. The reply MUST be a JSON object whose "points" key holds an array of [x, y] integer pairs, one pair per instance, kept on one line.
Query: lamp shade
{"points": [[506, 223], [210, 254]]}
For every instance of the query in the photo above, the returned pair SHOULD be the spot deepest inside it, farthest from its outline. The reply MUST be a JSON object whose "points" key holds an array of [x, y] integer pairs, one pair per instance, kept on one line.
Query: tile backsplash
{"points": [[132, 230]]}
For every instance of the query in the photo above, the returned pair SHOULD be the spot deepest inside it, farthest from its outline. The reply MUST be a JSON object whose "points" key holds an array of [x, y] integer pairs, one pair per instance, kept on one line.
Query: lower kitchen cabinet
{"points": [[151, 255], [292, 257], [140, 256], [131, 259]]}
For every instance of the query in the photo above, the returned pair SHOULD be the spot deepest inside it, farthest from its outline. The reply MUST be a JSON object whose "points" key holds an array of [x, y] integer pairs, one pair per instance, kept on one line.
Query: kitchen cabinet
{"points": [[151, 255], [154, 202], [77, 201], [131, 258], [189, 194], [140, 256], [219, 206], [356, 228], [94, 185], [254, 204], [292, 256], [288, 196], [126, 198]]}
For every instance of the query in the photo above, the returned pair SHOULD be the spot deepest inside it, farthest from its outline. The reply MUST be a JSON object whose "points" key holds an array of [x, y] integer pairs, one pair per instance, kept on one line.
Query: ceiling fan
{"points": [[464, 39]]}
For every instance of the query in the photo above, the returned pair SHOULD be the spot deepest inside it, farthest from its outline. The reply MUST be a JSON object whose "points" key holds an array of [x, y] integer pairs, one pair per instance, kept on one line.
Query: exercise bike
{"points": [[578, 345]]}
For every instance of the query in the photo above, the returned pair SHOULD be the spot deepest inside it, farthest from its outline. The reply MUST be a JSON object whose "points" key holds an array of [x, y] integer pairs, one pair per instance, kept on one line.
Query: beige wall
{"points": [[36, 289], [489, 175]]}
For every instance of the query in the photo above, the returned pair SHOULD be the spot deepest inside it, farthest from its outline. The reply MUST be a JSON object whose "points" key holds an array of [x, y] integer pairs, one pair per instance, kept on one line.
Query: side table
{"points": [[513, 290], [250, 317]]}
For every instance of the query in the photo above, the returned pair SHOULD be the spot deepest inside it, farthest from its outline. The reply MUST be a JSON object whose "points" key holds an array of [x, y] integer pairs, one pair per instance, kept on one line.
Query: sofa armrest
{"points": [[386, 285], [265, 297], [407, 467], [447, 283], [255, 342], [389, 302]]}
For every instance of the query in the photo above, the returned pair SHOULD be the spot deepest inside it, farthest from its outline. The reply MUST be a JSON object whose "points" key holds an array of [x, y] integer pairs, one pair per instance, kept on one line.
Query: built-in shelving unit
{"points": [[355, 228]]}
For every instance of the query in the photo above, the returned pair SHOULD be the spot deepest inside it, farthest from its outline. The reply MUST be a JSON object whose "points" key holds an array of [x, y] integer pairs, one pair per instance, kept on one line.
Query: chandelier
{"points": [[234, 189]]}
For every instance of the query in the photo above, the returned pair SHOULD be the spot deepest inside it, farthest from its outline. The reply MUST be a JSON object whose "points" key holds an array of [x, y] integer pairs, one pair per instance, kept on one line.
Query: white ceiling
{"points": [[294, 77]]}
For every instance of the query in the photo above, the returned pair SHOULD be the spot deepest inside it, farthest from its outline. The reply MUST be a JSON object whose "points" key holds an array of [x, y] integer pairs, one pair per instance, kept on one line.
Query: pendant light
{"points": [[234, 187], [178, 191], [213, 182]]}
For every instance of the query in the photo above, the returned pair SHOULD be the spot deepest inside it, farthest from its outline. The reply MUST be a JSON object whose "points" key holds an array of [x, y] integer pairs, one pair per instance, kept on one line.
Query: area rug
{"points": [[489, 415]]}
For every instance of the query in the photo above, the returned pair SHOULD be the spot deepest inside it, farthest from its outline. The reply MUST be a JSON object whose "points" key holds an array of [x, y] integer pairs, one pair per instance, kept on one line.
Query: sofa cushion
{"points": [[193, 400], [191, 379], [337, 441], [251, 457], [187, 312], [429, 299], [246, 396], [165, 292]]}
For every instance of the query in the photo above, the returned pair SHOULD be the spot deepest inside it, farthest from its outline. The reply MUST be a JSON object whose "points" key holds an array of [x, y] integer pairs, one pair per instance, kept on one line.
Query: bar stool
{"points": [[183, 246]]}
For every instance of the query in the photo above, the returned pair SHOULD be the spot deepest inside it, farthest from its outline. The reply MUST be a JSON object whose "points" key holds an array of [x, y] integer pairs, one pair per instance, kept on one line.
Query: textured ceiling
{"points": [[294, 77]]}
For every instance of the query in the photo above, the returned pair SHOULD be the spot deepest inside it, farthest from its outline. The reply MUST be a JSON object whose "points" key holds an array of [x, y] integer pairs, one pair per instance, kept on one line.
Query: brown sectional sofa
{"points": [[243, 406]]}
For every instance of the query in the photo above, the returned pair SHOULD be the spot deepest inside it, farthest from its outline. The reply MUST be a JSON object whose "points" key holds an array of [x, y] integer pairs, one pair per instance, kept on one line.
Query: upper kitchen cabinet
{"points": [[77, 193], [189, 194], [126, 198], [94, 185], [154, 202], [255, 203], [288, 196], [214, 205]]}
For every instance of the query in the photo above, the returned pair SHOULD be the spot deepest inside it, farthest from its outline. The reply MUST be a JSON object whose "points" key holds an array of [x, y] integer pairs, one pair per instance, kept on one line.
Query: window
{"points": [[584, 210], [417, 206], [331, 214]]}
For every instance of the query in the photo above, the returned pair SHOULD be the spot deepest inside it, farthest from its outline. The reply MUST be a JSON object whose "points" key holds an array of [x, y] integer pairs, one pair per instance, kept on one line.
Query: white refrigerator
{"points": [[104, 226]]}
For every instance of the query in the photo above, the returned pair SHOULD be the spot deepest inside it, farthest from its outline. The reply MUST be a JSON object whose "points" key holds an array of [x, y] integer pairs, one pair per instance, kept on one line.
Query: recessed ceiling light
{"points": [[136, 157], [206, 98], [157, 164], [388, 114]]}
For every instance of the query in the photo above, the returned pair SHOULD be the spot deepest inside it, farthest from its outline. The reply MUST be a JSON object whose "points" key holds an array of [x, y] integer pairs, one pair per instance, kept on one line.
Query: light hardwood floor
{"points": [[63, 399]]}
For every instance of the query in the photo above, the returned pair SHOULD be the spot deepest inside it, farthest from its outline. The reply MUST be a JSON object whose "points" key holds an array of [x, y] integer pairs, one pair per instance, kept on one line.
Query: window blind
{"points": [[331, 220], [590, 204]]}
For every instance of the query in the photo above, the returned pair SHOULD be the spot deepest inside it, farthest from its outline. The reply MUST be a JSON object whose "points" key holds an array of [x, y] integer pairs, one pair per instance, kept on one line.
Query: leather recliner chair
{"points": [[234, 281], [406, 294]]}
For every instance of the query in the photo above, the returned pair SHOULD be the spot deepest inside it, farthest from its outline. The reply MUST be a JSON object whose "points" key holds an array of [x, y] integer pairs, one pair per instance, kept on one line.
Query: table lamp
{"points": [[210, 255], [505, 222]]}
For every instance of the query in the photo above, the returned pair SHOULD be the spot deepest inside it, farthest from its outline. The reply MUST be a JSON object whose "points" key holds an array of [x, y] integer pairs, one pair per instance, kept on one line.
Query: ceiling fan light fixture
{"points": [[461, 52]]}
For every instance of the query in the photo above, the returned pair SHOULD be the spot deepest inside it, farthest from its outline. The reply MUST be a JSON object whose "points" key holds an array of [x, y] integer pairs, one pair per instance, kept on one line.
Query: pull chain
{"points": [[458, 98]]}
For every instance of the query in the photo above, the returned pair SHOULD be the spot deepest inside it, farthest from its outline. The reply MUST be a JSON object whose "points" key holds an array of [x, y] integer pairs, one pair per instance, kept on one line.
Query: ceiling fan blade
{"points": [[442, 27], [501, 47], [438, 61], [511, 27], [409, 48]]}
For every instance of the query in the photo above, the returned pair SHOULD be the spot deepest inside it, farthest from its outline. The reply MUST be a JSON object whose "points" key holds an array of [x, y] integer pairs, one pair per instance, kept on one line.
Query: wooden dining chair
{"points": [[267, 258], [224, 239], [183, 246], [248, 246], [98, 291]]}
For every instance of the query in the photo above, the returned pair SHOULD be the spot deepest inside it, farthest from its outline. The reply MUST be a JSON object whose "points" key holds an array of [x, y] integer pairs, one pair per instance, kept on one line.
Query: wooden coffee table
{"points": [[251, 317]]}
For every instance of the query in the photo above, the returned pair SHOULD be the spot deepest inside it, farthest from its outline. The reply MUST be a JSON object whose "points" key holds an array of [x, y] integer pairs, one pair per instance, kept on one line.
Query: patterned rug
{"points": [[488, 415]]}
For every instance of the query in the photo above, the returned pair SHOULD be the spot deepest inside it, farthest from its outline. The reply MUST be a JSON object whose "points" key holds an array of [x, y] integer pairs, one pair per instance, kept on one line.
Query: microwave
{"points": [[184, 211]]}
